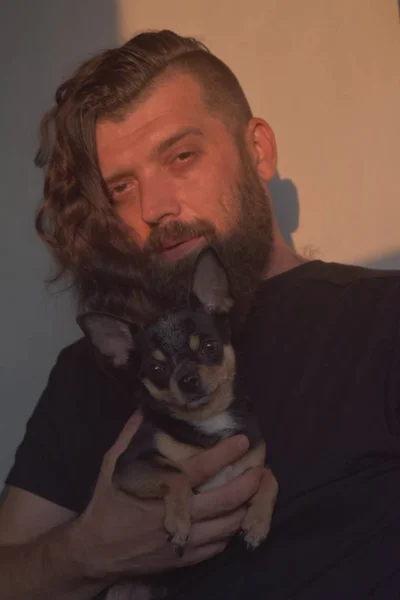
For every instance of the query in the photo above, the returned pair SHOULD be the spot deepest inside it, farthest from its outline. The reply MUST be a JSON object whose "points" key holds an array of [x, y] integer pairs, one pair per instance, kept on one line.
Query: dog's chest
{"points": [[222, 425]]}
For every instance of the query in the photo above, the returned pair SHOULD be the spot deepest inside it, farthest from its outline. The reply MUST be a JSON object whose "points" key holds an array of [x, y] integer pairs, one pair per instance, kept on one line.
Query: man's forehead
{"points": [[179, 96], [156, 121]]}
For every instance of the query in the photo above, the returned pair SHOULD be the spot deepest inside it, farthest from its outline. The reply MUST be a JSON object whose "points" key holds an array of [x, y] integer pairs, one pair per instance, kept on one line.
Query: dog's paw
{"points": [[252, 538], [255, 529], [178, 542], [177, 533], [130, 590]]}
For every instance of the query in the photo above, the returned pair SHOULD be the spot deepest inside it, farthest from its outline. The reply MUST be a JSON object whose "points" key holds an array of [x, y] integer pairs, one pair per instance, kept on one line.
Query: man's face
{"points": [[178, 179]]}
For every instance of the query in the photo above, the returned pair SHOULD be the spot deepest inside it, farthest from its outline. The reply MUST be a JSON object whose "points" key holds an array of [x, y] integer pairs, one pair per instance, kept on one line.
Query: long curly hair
{"points": [[76, 219]]}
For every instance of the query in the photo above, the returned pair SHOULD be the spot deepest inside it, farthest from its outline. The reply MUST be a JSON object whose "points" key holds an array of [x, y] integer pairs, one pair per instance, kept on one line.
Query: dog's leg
{"points": [[178, 511], [257, 522], [162, 478]]}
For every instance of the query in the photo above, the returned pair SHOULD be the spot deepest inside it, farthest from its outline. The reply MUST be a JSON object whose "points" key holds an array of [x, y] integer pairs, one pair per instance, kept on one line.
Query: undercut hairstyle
{"points": [[76, 218]]}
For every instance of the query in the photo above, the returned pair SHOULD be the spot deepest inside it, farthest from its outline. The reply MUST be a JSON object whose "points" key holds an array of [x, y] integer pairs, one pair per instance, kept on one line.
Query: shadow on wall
{"points": [[285, 201], [41, 43], [388, 261], [286, 206]]}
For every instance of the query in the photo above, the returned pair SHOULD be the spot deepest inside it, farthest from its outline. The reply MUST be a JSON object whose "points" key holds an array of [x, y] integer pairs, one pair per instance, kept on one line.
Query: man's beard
{"points": [[245, 249], [140, 284]]}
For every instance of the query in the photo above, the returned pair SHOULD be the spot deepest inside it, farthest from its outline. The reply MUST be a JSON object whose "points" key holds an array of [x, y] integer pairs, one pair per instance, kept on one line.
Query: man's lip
{"points": [[176, 242], [176, 250]]}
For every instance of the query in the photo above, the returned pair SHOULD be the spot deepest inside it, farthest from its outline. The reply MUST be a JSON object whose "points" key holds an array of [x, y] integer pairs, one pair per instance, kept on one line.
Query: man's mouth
{"points": [[177, 249]]}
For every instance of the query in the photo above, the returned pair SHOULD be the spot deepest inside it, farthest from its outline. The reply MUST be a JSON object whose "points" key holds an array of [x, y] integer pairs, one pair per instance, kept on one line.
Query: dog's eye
{"points": [[157, 368], [210, 348]]}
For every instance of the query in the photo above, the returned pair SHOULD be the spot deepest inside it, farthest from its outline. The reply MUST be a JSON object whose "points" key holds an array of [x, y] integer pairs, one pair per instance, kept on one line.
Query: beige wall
{"points": [[326, 75]]}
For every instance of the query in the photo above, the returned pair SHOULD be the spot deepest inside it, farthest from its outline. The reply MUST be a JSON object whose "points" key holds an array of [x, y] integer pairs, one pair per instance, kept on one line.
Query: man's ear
{"points": [[111, 336], [210, 284], [262, 146]]}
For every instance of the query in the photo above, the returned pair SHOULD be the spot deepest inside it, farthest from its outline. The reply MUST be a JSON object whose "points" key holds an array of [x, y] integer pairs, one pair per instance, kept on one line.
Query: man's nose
{"points": [[158, 202]]}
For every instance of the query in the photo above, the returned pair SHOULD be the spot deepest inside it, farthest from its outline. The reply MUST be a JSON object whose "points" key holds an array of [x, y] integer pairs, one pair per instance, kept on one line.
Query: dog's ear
{"points": [[210, 284], [111, 336]]}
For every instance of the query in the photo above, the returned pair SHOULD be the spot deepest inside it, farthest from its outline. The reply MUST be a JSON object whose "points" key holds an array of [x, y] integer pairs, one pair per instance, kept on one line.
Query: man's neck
{"points": [[283, 258]]}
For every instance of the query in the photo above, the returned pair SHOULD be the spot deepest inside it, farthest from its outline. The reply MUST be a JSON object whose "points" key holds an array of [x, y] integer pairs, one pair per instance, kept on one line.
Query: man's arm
{"points": [[25, 516], [37, 551], [74, 558]]}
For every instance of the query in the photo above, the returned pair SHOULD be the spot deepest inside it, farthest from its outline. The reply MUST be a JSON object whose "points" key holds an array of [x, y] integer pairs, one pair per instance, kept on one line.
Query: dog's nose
{"points": [[189, 384], [188, 379]]}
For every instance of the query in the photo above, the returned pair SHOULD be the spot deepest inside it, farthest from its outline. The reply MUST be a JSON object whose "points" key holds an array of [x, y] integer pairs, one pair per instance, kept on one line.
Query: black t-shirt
{"points": [[320, 355]]}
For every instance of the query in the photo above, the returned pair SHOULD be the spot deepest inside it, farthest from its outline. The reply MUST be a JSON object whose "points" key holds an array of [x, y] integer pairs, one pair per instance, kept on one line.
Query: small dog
{"points": [[190, 400]]}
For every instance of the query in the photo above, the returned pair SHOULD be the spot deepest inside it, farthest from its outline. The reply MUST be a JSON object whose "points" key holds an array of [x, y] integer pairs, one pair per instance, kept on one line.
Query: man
{"points": [[155, 151]]}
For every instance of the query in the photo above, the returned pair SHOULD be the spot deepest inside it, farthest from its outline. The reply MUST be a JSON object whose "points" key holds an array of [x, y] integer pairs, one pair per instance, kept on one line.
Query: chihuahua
{"points": [[189, 397]]}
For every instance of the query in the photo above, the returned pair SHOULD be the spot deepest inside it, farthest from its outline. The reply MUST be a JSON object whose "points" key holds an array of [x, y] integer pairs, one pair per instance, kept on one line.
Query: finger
{"points": [[129, 430], [226, 498], [201, 553], [208, 463], [216, 530]]}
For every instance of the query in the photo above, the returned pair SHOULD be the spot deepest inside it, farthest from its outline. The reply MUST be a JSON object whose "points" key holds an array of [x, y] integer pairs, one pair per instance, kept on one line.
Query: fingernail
{"points": [[243, 443]]}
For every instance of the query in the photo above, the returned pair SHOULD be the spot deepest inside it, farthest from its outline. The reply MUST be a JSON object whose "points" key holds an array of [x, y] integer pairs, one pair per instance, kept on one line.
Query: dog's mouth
{"points": [[199, 400]]}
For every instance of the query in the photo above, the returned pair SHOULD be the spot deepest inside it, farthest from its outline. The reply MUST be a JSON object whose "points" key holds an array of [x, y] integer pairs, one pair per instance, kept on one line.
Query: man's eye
{"points": [[184, 156], [120, 188]]}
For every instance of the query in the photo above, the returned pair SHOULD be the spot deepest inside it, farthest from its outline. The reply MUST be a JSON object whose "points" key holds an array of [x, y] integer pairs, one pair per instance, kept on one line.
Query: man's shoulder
{"points": [[342, 274], [75, 353], [352, 286], [72, 367], [78, 362], [330, 278], [85, 377], [65, 389], [318, 292]]}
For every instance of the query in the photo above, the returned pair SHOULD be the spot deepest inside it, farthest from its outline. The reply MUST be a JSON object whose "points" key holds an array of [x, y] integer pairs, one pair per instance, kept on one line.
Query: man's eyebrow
{"points": [[169, 142]]}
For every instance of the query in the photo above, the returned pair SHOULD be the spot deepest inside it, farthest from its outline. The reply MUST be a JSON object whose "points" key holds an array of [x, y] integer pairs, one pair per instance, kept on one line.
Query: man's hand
{"points": [[120, 534]]}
